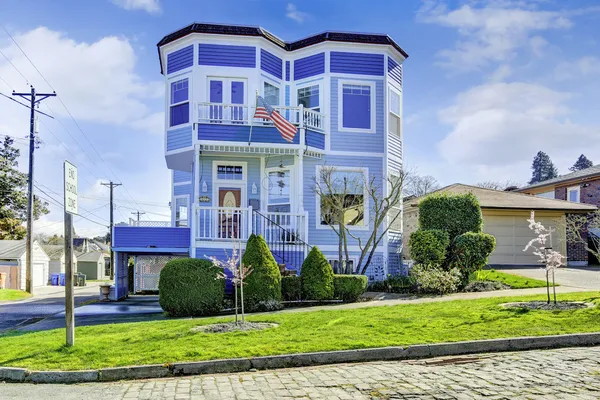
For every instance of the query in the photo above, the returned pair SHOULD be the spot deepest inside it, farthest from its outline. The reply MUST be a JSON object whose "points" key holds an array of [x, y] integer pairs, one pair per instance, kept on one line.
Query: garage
{"points": [[505, 217], [13, 262], [39, 276]]}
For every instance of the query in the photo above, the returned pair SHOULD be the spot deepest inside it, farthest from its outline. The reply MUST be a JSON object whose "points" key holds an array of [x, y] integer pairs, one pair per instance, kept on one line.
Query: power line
{"points": [[60, 204], [60, 222], [10, 62], [25, 105]]}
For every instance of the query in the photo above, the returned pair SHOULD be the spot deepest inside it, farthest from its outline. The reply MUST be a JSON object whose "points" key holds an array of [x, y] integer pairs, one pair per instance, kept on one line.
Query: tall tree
{"points": [[13, 186], [542, 168], [420, 185], [582, 163]]}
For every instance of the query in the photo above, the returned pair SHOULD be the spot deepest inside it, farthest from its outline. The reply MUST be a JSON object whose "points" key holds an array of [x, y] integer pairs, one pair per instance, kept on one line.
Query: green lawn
{"points": [[12, 294], [172, 340], [514, 281]]}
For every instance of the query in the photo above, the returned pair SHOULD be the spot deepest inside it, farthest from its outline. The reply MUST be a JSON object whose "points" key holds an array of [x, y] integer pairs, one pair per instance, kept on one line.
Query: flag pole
{"points": [[252, 117]]}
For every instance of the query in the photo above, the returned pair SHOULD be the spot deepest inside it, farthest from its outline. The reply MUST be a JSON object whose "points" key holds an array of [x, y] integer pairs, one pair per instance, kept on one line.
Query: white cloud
{"points": [[293, 13], [583, 67], [501, 73], [150, 6]]}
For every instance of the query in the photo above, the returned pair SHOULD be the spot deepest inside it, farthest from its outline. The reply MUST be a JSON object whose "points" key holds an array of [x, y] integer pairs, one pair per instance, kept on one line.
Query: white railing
{"points": [[243, 114], [280, 227], [223, 223], [133, 222]]}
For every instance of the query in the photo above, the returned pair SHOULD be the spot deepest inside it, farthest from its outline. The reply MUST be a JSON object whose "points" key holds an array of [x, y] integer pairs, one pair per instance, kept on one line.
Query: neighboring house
{"points": [[13, 263], [505, 217], [92, 264], [234, 175], [56, 253], [577, 187]]}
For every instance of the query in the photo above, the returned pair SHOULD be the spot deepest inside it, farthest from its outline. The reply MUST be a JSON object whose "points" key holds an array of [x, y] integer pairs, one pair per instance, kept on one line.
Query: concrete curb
{"points": [[302, 359]]}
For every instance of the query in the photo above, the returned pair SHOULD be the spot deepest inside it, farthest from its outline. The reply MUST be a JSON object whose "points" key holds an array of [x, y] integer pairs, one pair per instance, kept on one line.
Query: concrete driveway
{"points": [[576, 277]]}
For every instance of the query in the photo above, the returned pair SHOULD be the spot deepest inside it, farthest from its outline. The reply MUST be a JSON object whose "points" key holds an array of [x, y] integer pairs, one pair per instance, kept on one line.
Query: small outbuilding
{"points": [[13, 263], [505, 217], [92, 265], [56, 253]]}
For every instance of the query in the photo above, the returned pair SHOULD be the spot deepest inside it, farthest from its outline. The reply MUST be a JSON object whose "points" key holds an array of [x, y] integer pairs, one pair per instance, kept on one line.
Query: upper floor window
{"points": [[309, 97], [179, 112], [271, 94], [547, 195], [573, 194], [357, 107], [394, 115]]}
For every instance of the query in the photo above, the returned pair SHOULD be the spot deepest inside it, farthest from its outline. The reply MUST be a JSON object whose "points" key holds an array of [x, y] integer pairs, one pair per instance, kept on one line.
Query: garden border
{"points": [[11, 374]]}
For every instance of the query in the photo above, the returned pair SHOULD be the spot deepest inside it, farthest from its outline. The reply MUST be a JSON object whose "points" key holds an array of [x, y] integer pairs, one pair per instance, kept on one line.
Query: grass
{"points": [[12, 294], [514, 281], [172, 340]]}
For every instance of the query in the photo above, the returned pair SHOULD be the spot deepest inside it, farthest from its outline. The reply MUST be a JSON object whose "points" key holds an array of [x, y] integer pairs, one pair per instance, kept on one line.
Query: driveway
{"points": [[576, 277]]}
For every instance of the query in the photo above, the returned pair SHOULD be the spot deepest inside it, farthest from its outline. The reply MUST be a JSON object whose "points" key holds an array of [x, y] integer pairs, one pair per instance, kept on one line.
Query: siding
{"points": [[129, 236], [182, 176], [357, 63], [353, 141], [179, 138], [309, 66], [180, 59], [181, 190], [394, 254], [395, 71], [287, 96], [271, 63], [227, 56], [240, 133], [315, 139], [287, 71]]}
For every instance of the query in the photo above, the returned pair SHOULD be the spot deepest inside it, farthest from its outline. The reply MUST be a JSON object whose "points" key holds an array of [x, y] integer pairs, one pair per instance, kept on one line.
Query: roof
{"points": [[582, 174], [12, 249], [54, 251], [242, 30], [91, 256], [498, 199]]}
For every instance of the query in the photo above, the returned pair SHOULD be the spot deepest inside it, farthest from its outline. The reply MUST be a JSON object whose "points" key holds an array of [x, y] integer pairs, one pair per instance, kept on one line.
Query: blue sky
{"points": [[487, 85]]}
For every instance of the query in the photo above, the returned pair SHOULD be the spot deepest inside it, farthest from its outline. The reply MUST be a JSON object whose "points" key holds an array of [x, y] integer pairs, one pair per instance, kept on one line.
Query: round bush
{"points": [[471, 250], [453, 213], [435, 280], [317, 277], [349, 288], [429, 246], [190, 287], [264, 283], [291, 288]]}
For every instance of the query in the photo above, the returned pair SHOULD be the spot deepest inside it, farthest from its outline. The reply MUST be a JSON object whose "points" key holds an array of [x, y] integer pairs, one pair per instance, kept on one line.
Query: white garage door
{"points": [[39, 277], [512, 235]]}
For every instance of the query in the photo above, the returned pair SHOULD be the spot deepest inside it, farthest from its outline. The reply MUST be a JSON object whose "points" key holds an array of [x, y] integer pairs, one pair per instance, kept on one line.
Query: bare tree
{"points": [[418, 186], [584, 229], [497, 185]]}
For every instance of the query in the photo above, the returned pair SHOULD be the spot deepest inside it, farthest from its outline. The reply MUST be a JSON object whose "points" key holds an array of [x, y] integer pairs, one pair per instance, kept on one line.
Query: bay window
{"points": [[271, 94], [309, 97], [179, 112]]}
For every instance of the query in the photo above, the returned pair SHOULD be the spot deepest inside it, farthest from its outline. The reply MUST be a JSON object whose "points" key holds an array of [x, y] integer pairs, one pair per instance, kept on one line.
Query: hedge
{"points": [[349, 288], [317, 277], [471, 251], [291, 288], [264, 283], [453, 213], [429, 246], [190, 287]]}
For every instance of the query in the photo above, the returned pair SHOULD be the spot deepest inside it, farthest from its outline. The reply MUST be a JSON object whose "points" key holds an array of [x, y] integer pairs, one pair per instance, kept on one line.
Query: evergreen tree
{"points": [[542, 168], [582, 163]]}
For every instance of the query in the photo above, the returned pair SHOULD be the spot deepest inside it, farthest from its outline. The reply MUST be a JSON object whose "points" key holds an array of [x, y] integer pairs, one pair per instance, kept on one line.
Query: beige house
{"points": [[505, 217]]}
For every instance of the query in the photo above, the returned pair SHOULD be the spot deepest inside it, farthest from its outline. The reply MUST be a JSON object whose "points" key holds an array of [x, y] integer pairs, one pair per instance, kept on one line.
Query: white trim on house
{"points": [[373, 111], [174, 219], [230, 183], [175, 78]]}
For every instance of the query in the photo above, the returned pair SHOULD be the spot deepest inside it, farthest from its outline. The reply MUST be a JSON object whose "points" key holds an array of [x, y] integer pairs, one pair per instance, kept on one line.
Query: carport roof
{"points": [[498, 199]]}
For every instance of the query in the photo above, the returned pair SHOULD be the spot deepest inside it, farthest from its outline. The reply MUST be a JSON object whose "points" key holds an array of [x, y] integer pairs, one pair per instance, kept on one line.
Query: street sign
{"points": [[71, 203]]}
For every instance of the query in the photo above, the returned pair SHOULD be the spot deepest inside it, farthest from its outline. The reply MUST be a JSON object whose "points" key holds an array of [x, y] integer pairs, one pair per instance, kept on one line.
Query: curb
{"points": [[9, 374]]}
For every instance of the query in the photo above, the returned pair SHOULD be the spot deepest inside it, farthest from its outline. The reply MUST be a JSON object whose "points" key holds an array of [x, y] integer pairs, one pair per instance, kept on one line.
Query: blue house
{"points": [[234, 175]]}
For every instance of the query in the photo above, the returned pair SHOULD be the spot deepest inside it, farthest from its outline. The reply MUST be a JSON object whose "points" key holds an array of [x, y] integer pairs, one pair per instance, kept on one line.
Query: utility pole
{"points": [[34, 98], [138, 213], [111, 185]]}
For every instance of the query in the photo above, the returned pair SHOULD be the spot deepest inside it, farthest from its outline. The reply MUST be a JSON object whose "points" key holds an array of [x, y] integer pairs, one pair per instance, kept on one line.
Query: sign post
{"points": [[71, 208]]}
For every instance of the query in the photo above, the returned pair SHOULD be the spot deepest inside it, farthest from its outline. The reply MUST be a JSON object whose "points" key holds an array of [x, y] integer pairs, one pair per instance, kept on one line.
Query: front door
{"points": [[230, 217]]}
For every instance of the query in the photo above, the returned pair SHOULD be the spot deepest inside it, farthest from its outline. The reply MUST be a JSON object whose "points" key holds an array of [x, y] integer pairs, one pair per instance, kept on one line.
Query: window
{"points": [[180, 105], [394, 115], [279, 198], [181, 211], [357, 107], [230, 172], [573, 194], [309, 97], [271, 94], [348, 198], [347, 269], [546, 195]]}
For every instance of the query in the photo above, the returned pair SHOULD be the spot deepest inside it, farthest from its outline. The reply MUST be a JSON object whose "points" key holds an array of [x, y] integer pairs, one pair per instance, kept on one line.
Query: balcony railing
{"points": [[278, 227], [133, 222], [243, 114]]}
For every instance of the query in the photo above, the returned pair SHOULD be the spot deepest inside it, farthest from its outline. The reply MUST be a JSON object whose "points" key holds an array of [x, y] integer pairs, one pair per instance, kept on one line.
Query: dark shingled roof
{"points": [[241, 30], [581, 174]]}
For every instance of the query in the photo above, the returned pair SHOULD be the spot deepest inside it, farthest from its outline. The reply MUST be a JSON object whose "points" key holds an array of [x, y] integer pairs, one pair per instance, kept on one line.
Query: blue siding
{"points": [[179, 138], [315, 139], [270, 63], [287, 71], [182, 176], [357, 63], [395, 71], [309, 66], [240, 133], [227, 56], [180, 190], [394, 254], [368, 142], [287, 95], [180, 59], [159, 237]]}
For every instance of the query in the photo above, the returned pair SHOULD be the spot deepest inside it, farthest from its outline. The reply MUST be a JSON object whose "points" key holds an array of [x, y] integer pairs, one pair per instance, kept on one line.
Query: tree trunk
{"points": [[548, 285], [553, 286], [236, 301], [242, 299]]}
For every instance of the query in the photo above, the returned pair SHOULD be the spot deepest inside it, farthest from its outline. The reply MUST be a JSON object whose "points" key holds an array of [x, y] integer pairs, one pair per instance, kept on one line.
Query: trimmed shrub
{"points": [[264, 283], [434, 280], [349, 288], [317, 277], [190, 287], [291, 288], [453, 213], [429, 246], [471, 250]]}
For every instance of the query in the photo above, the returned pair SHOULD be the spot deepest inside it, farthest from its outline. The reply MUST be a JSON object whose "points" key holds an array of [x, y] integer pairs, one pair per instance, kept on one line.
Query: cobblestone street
{"points": [[552, 374]]}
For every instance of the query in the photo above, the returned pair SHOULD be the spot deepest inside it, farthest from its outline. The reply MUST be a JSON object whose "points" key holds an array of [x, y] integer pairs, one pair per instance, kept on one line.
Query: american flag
{"points": [[266, 111]]}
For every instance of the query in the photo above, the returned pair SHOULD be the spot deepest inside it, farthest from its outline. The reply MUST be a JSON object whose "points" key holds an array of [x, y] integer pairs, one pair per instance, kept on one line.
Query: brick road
{"points": [[551, 374]]}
